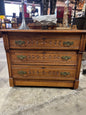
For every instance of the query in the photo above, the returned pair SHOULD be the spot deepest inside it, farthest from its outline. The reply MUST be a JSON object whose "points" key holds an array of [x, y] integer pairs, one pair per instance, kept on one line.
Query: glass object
{"points": [[23, 24]]}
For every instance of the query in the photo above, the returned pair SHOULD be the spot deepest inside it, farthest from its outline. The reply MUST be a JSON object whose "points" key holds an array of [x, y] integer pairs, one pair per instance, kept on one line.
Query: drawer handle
{"points": [[68, 44], [66, 57], [65, 73], [22, 72], [21, 57], [19, 42]]}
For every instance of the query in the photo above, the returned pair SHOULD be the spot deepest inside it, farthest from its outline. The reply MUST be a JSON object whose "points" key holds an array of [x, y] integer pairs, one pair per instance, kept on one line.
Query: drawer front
{"points": [[45, 41], [44, 57], [44, 72], [48, 83]]}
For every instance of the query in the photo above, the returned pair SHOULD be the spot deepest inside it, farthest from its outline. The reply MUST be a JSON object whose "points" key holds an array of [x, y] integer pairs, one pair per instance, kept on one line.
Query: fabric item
{"points": [[60, 12], [26, 15], [52, 6], [25, 8]]}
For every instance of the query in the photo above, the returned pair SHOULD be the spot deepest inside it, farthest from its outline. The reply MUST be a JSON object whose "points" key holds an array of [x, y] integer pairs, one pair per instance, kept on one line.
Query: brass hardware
{"points": [[21, 57], [22, 72], [19, 42], [66, 57], [68, 44], [65, 73]]}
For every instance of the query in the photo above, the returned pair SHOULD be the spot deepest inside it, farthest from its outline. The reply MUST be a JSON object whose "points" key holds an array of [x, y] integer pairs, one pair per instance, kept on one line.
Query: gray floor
{"points": [[39, 101]]}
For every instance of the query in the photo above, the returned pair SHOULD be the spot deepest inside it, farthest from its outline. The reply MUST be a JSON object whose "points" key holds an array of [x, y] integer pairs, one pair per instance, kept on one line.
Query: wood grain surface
{"points": [[44, 57], [43, 31], [44, 72], [44, 41]]}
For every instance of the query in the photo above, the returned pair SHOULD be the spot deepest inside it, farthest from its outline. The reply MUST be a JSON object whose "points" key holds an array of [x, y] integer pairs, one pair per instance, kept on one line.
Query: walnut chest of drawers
{"points": [[44, 57]]}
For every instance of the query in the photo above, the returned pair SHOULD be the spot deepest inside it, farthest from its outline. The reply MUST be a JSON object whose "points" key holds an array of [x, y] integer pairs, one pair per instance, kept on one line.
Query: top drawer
{"points": [[44, 41]]}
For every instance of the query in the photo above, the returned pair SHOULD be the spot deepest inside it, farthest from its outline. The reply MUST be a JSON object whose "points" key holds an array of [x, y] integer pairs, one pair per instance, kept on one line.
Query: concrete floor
{"points": [[39, 101]]}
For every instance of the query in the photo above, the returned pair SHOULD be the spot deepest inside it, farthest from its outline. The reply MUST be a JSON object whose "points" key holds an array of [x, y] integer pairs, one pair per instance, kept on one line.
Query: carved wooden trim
{"points": [[6, 41], [43, 72], [47, 43], [44, 57], [11, 82], [9, 63], [44, 31], [76, 84], [78, 65], [82, 42]]}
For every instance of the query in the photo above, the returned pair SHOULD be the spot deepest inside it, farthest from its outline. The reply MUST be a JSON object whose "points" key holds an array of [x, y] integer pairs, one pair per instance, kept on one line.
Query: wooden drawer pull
{"points": [[19, 42], [66, 57], [21, 57], [22, 72], [68, 43], [65, 73]]}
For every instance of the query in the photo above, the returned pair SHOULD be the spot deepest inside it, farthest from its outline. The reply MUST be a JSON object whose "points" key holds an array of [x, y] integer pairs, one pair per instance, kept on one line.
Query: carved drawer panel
{"points": [[44, 72], [44, 57], [53, 41]]}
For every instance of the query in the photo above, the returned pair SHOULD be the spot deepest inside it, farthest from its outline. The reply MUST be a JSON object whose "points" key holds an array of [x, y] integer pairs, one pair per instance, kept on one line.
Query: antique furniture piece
{"points": [[44, 57]]}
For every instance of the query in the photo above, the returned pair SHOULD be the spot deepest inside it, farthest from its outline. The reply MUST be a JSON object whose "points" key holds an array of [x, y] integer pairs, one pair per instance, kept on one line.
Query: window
{"points": [[11, 8]]}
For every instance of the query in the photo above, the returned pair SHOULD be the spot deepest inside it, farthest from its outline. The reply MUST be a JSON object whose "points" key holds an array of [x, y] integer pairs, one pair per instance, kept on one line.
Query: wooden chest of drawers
{"points": [[44, 57]]}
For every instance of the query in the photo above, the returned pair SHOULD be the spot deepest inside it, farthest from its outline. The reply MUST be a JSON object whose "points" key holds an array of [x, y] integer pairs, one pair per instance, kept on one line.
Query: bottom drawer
{"points": [[44, 72], [43, 83]]}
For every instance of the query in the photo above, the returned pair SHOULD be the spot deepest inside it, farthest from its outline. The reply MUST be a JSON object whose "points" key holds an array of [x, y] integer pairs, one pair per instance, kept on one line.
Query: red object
{"points": [[25, 8], [60, 12], [26, 15]]}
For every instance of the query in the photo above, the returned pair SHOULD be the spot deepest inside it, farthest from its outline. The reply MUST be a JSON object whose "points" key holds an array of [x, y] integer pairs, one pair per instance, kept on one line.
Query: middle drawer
{"points": [[44, 57]]}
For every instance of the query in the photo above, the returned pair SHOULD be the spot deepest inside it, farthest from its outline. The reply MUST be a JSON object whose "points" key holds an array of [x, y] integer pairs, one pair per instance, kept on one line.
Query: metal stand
{"points": [[68, 10], [23, 25]]}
